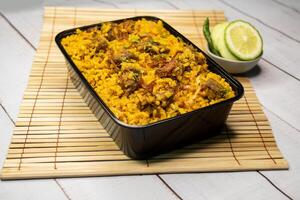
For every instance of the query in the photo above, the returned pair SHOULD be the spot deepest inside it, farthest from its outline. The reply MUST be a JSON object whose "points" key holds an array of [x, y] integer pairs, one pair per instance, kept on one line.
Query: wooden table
{"points": [[278, 22]]}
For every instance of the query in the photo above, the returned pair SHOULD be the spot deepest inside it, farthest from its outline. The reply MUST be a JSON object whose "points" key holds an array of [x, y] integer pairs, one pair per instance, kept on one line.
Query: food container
{"points": [[143, 141]]}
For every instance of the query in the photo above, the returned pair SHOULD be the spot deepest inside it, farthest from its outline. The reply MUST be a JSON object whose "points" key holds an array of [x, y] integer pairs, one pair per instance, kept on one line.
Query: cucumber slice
{"points": [[220, 43], [216, 33]]}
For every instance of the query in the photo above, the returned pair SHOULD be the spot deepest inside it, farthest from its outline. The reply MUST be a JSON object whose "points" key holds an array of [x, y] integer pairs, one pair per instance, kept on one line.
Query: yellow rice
{"points": [[149, 83]]}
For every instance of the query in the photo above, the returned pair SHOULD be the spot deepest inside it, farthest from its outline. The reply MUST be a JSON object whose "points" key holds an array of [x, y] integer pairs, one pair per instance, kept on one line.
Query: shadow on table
{"points": [[252, 73], [202, 148]]}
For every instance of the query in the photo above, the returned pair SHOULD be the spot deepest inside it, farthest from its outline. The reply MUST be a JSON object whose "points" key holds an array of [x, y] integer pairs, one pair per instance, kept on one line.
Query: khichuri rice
{"points": [[142, 72]]}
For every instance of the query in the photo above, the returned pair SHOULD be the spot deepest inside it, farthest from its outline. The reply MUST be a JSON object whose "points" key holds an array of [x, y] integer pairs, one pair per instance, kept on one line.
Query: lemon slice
{"points": [[243, 40]]}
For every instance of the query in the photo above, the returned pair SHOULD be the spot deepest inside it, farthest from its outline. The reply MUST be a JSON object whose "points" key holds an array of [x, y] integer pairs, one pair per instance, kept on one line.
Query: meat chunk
{"points": [[110, 60], [172, 66], [157, 62], [120, 31], [165, 50], [128, 55], [125, 56], [122, 35], [164, 91], [101, 45], [129, 80], [92, 29], [152, 47], [167, 69], [213, 89], [127, 25], [199, 59], [148, 108], [147, 87], [110, 35]]}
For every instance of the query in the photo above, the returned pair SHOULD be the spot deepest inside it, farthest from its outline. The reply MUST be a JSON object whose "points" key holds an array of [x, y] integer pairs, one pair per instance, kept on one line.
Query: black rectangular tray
{"points": [[140, 142]]}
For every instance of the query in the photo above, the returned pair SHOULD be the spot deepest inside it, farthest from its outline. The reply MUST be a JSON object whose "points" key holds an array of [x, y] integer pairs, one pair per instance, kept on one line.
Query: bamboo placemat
{"points": [[56, 135]]}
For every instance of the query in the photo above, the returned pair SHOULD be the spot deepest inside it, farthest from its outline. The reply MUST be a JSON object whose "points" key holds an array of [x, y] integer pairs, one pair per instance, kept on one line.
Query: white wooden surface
{"points": [[276, 81]]}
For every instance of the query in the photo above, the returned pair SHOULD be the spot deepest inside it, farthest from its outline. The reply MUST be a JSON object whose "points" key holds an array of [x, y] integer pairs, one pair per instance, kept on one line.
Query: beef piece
{"points": [[92, 29], [199, 60], [213, 89], [111, 34], [110, 61], [152, 47], [164, 93], [122, 35], [128, 55], [188, 69], [148, 87], [148, 108], [120, 31], [158, 62], [113, 65], [167, 69], [128, 25], [125, 56], [129, 85], [129, 80], [154, 63], [151, 50], [101, 45], [165, 50]]}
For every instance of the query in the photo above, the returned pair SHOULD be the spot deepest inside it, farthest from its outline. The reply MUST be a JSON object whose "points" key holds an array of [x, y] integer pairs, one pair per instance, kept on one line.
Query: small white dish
{"points": [[234, 66]]}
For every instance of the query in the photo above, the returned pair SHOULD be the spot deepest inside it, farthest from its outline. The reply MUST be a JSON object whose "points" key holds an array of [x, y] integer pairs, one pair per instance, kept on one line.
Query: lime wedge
{"points": [[243, 40]]}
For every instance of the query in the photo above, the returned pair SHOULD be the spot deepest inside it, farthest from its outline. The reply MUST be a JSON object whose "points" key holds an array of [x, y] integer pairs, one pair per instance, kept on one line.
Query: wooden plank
{"points": [[276, 13], [289, 143], [28, 189], [31, 19], [247, 185], [148, 187], [293, 5], [11, 89]]}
